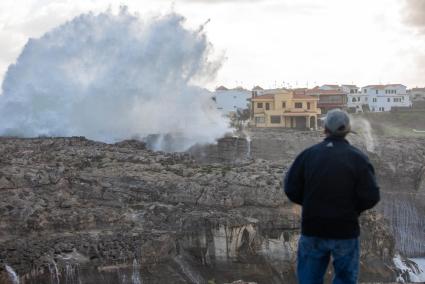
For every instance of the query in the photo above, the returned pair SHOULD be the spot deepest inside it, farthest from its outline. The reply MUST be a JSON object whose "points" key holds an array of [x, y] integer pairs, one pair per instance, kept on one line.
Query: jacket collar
{"points": [[337, 139]]}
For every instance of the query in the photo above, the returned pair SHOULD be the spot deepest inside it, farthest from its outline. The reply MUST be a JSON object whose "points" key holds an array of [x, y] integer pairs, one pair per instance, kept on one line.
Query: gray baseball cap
{"points": [[337, 122]]}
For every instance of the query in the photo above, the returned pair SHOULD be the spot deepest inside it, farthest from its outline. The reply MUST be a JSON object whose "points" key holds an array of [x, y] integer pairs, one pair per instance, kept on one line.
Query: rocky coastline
{"points": [[77, 209]]}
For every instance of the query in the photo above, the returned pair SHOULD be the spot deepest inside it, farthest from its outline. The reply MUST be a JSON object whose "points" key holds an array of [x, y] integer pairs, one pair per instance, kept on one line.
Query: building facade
{"points": [[350, 89], [356, 101], [385, 97], [284, 108], [329, 99]]}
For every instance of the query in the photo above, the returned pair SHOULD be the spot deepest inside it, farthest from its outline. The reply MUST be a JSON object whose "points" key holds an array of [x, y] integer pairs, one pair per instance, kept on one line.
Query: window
{"points": [[374, 100], [283, 104], [298, 105], [353, 100], [351, 91], [388, 100], [259, 105], [267, 106], [275, 119], [308, 105], [260, 119], [365, 91], [377, 92]]}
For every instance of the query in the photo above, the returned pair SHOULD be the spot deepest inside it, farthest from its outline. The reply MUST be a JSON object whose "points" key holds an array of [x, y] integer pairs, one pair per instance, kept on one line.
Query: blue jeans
{"points": [[314, 255]]}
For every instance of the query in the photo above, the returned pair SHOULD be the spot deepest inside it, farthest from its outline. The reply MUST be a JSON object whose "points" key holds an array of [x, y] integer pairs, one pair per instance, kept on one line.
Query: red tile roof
{"points": [[383, 86], [375, 86], [264, 97], [325, 92], [295, 96], [221, 88]]}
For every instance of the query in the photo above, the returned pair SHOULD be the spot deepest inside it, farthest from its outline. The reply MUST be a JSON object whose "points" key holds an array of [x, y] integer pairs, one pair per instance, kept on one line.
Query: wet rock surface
{"points": [[73, 208]]}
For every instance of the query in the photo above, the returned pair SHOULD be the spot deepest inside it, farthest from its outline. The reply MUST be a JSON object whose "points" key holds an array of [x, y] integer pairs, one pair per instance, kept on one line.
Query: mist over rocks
{"points": [[111, 77]]}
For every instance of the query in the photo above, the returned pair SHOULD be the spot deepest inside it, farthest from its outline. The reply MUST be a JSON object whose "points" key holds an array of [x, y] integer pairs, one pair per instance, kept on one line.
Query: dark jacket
{"points": [[333, 182]]}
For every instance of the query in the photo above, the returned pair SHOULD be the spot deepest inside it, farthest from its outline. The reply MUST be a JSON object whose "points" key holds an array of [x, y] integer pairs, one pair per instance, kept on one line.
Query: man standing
{"points": [[333, 182]]}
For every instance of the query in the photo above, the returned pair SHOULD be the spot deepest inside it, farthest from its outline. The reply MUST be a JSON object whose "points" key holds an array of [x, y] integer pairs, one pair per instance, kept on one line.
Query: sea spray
{"points": [[54, 272], [13, 277], [111, 77], [363, 127], [248, 141], [135, 274], [188, 271], [411, 270]]}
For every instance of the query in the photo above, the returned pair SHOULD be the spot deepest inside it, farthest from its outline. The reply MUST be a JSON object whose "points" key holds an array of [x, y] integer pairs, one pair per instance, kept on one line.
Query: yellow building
{"points": [[283, 108]]}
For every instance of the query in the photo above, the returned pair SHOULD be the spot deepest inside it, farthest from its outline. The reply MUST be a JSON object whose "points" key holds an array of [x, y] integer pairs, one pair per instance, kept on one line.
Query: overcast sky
{"points": [[266, 42]]}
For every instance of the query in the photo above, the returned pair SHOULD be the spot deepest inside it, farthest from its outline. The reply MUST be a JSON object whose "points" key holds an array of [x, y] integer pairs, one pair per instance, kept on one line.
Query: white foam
{"points": [[364, 128], [413, 267], [13, 276], [111, 77]]}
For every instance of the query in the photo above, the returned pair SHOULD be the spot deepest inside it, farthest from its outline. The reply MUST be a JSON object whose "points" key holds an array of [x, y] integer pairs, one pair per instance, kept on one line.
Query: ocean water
{"points": [[411, 268]]}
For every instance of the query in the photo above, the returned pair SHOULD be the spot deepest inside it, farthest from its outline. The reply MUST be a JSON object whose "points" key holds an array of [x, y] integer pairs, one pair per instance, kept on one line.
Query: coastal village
{"points": [[305, 108]]}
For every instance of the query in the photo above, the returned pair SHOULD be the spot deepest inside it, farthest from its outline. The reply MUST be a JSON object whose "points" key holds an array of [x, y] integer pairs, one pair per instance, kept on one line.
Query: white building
{"points": [[355, 98], [384, 97], [350, 89], [229, 101]]}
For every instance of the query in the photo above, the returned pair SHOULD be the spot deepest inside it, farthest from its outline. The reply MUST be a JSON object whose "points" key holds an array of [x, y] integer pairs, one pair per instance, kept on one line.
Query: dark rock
{"points": [[107, 207]]}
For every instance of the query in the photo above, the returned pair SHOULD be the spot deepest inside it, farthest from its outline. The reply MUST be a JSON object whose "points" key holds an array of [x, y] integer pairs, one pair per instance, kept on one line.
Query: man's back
{"points": [[334, 182]]}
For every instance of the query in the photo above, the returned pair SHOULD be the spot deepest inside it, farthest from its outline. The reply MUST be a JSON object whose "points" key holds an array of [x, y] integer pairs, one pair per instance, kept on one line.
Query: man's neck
{"points": [[334, 137]]}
